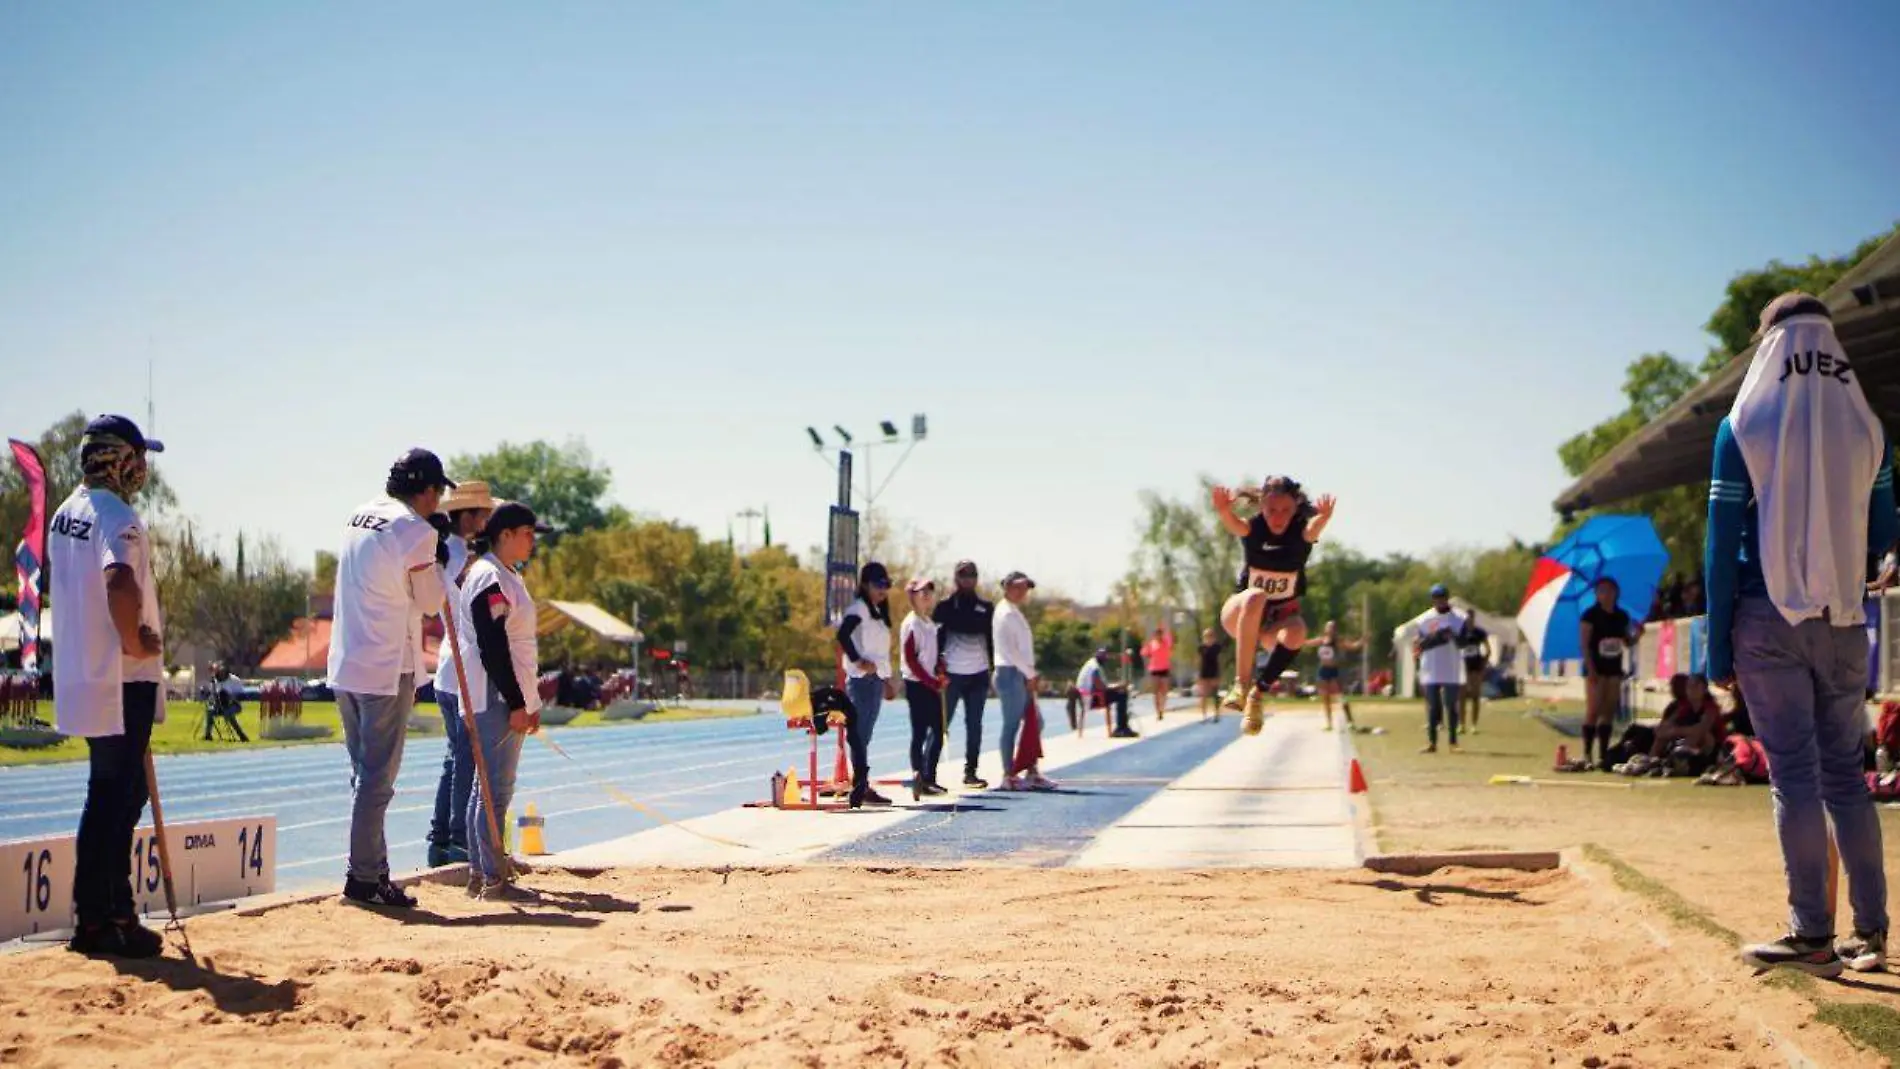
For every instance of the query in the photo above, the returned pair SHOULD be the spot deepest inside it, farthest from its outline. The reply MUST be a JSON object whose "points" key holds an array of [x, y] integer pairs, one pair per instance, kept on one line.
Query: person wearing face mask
{"points": [[1264, 612], [1441, 669], [969, 649], [864, 639], [106, 658]]}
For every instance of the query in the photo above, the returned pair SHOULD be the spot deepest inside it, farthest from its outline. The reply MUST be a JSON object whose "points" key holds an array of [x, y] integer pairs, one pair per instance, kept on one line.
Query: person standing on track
{"points": [[969, 648], [1441, 671], [502, 614], [1474, 645], [1264, 614], [864, 636], [387, 580], [1207, 684], [1801, 505], [463, 514], [1607, 632], [924, 683], [1157, 654], [109, 672], [1331, 646], [1016, 678]]}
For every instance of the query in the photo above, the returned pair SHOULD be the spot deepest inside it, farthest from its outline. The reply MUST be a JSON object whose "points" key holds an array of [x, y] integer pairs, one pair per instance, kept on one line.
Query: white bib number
{"points": [[1610, 648], [1326, 655], [1276, 585]]}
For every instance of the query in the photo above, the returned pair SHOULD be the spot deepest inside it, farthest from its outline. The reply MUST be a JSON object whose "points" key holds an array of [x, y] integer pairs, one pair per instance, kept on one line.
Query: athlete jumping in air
{"points": [[1264, 613], [1331, 646]]}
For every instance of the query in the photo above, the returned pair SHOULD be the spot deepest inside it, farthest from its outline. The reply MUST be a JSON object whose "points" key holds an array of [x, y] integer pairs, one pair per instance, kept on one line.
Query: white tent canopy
{"points": [[1505, 638], [10, 628], [585, 614]]}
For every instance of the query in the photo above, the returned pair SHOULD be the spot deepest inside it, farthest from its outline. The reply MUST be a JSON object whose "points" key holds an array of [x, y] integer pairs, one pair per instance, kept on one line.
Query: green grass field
{"points": [[182, 731]]}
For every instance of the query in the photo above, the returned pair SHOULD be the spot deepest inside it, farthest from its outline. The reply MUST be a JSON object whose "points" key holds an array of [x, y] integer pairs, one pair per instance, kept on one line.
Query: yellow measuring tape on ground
{"points": [[631, 802]]}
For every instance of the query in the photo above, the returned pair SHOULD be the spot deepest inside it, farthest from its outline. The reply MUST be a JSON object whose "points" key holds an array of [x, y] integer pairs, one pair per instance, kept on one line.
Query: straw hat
{"points": [[473, 494]]}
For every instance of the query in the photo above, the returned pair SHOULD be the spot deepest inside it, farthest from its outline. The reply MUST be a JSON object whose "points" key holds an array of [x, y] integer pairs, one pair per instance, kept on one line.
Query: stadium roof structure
{"points": [[1674, 449]]}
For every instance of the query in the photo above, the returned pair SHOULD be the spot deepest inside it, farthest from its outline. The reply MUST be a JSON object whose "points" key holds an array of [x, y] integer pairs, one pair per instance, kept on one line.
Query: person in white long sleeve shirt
{"points": [[1016, 677]]}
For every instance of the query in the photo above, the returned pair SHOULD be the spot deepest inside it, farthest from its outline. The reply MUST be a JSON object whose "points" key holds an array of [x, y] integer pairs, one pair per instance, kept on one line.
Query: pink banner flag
{"points": [[31, 553], [1665, 649]]}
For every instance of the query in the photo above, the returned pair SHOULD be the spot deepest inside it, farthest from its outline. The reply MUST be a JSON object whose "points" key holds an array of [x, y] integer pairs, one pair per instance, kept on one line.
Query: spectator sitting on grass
{"points": [[1690, 725]]}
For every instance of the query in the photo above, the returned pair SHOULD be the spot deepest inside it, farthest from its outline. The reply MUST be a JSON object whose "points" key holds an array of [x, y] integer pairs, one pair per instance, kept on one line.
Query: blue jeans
{"points": [[501, 752], [1441, 704], [867, 700], [374, 729], [973, 690], [450, 826], [1012, 690], [1805, 688]]}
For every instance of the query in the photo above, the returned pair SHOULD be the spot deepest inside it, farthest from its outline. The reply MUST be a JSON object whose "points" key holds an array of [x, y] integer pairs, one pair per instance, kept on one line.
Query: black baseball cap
{"points": [[1018, 577], [419, 469], [875, 574], [509, 515], [966, 567], [124, 430]]}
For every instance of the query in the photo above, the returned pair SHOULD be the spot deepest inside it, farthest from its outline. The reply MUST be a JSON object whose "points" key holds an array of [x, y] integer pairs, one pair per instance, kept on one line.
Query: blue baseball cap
{"points": [[125, 431], [1439, 591]]}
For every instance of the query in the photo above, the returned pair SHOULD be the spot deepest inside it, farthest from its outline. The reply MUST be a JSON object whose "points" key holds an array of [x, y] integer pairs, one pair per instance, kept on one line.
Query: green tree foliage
{"points": [[565, 485], [234, 612], [760, 611], [1651, 383], [1733, 322]]}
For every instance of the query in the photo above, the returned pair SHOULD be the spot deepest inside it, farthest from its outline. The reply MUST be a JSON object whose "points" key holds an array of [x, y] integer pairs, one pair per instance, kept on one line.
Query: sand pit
{"points": [[838, 966]]}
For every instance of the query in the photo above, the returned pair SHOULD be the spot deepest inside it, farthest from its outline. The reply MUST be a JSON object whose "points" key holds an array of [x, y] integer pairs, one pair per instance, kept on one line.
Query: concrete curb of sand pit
{"points": [[1426, 864], [254, 906]]}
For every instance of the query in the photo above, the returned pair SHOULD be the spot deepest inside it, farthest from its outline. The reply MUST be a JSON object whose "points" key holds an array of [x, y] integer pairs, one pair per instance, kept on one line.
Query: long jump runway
{"points": [[1119, 805]]}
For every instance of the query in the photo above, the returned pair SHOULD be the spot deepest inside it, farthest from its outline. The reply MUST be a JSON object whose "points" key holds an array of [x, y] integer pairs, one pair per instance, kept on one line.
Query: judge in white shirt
{"points": [[387, 580], [1016, 678]]}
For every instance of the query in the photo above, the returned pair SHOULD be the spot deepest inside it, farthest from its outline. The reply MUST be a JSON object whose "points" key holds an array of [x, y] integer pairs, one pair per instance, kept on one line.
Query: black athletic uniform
{"points": [[1276, 563]]}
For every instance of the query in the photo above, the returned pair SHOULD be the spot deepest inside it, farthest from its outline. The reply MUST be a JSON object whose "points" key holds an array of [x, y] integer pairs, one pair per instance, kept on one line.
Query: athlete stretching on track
{"points": [[1264, 613]]}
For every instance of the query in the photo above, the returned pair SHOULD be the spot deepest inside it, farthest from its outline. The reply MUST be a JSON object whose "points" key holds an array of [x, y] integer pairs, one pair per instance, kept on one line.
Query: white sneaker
{"points": [[1040, 782], [1864, 952], [1011, 783]]}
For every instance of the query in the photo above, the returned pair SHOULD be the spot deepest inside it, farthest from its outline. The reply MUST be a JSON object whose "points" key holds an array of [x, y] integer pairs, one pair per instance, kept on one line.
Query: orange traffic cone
{"points": [[1356, 782]]}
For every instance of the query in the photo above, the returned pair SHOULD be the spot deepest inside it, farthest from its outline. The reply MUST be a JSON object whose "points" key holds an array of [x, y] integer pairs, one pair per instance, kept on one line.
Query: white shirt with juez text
{"points": [[93, 531], [376, 637]]}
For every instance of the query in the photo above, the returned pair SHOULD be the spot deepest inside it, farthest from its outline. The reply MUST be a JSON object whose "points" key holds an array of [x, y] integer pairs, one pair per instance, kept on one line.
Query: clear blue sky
{"points": [[1398, 249]]}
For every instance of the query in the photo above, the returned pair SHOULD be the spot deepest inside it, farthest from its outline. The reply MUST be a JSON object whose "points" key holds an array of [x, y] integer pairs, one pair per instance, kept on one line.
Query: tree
{"points": [[1651, 383], [564, 485], [235, 612], [1734, 321]]}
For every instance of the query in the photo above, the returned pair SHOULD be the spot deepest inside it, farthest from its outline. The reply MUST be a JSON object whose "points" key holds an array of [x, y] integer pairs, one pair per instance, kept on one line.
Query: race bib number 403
{"points": [[1275, 585]]}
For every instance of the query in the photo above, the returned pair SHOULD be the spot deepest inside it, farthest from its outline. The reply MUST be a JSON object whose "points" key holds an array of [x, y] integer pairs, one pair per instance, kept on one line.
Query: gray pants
{"points": [[374, 729], [1805, 687]]}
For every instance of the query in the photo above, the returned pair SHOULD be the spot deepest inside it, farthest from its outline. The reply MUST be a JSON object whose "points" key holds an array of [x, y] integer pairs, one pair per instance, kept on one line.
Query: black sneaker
{"points": [[1864, 951], [1816, 957], [931, 790], [874, 798], [438, 855], [970, 779], [140, 941], [377, 893], [110, 940]]}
